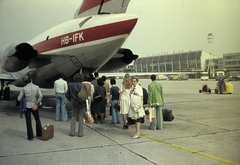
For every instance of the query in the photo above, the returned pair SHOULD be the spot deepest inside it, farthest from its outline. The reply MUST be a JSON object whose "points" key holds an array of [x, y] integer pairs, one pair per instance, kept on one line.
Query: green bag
{"points": [[82, 94]]}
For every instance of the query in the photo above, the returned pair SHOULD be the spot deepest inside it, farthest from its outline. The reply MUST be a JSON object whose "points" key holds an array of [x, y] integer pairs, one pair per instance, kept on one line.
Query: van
{"points": [[162, 77]]}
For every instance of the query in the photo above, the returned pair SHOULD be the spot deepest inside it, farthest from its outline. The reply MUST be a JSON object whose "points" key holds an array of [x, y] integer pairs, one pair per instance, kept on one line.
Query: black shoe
{"points": [[125, 126], [39, 137], [30, 139], [101, 122]]}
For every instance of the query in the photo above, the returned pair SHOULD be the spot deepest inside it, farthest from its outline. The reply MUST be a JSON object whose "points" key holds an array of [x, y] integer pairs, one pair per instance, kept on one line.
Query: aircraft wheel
{"points": [[200, 91], [6, 92]]}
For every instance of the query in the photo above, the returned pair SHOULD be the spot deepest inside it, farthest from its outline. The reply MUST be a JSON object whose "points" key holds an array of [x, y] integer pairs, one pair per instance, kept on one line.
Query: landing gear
{"points": [[6, 93], [5, 90]]}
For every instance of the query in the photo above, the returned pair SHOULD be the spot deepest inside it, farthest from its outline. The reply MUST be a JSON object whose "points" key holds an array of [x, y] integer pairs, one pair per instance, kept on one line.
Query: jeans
{"points": [[221, 88], [115, 114], [158, 119], [61, 107]]}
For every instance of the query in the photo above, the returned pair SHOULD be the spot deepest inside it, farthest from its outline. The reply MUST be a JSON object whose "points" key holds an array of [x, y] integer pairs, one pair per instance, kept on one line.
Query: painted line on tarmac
{"points": [[191, 150]]}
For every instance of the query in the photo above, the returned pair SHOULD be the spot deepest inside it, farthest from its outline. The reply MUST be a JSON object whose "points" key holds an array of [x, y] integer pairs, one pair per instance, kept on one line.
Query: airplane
{"points": [[90, 42]]}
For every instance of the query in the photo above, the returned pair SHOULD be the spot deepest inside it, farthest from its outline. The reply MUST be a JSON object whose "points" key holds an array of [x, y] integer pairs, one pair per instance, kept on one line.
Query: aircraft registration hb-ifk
{"points": [[90, 42]]}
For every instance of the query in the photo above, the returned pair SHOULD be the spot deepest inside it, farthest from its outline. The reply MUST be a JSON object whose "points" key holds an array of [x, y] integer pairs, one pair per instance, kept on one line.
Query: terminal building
{"points": [[176, 62], [231, 62], [192, 62]]}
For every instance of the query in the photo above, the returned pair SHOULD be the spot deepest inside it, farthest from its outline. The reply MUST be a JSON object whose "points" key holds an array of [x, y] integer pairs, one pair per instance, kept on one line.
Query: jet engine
{"points": [[122, 58], [17, 56]]}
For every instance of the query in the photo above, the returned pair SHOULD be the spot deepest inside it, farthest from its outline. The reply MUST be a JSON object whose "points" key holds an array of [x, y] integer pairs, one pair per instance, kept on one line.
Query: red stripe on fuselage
{"points": [[86, 35], [89, 4]]}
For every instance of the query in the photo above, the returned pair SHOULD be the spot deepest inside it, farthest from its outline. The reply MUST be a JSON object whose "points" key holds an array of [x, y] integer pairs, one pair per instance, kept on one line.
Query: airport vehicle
{"points": [[205, 89], [227, 88], [220, 74], [90, 42], [204, 76], [234, 75], [162, 77]]}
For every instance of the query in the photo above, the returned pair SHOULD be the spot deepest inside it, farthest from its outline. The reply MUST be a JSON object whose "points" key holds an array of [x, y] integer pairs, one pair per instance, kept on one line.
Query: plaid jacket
{"points": [[155, 93]]}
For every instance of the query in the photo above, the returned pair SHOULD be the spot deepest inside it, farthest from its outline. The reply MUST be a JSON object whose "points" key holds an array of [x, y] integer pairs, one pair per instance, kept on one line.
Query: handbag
{"points": [[117, 107], [88, 115], [136, 102]]}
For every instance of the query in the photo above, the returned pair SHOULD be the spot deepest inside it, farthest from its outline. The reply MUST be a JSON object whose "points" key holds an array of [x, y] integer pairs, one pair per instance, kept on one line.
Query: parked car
{"points": [[183, 77], [175, 77], [172, 77]]}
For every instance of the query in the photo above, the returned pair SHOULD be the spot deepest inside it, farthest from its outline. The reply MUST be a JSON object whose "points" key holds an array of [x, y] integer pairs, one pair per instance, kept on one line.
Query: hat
{"points": [[25, 78]]}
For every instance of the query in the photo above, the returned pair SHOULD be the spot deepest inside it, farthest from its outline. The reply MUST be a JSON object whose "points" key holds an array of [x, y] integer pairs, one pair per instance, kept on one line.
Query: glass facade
{"points": [[184, 61]]}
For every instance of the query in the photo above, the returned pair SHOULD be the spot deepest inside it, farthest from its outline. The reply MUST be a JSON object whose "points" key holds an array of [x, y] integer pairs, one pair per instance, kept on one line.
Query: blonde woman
{"points": [[124, 98]]}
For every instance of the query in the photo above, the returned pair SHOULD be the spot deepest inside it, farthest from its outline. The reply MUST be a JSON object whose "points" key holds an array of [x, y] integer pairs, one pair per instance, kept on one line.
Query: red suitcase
{"points": [[47, 132]]}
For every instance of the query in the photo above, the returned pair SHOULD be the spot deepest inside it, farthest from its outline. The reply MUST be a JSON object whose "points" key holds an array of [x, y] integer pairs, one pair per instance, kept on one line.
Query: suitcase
{"points": [[47, 132], [167, 115]]}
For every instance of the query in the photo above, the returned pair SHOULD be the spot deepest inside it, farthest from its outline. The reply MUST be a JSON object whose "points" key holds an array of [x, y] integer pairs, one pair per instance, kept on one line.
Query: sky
{"points": [[163, 27]]}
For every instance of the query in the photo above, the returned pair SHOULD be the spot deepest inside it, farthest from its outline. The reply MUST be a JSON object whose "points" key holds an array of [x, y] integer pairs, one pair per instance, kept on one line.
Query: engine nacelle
{"points": [[126, 57], [17, 56]]}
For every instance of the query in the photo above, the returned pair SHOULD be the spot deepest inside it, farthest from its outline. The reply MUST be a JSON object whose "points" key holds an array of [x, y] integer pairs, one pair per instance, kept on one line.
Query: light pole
{"points": [[211, 70]]}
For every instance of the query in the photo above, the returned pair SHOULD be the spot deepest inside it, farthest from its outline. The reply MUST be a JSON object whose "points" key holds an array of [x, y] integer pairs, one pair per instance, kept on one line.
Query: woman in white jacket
{"points": [[136, 111]]}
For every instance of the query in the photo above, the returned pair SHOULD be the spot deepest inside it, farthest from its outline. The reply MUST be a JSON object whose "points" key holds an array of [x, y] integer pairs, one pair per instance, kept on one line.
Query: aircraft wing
{"points": [[101, 7]]}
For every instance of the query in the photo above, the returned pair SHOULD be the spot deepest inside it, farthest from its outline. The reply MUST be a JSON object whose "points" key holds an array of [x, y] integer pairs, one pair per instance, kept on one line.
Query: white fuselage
{"points": [[91, 41], [86, 42]]}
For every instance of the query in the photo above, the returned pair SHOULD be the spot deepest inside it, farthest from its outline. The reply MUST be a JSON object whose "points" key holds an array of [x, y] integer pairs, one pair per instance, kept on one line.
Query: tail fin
{"points": [[93, 7]]}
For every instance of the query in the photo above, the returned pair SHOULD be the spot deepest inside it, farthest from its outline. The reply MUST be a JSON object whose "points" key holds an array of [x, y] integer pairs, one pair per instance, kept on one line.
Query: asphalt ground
{"points": [[206, 130]]}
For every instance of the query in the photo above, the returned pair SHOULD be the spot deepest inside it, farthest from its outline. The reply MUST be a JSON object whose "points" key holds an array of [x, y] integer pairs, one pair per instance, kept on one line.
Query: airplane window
{"points": [[84, 21]]}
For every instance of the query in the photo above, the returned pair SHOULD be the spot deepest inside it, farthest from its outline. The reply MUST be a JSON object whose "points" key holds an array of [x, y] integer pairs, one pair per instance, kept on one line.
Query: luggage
{"points": [[167, 114], [88, 115], [47, 132], [150, 113]]}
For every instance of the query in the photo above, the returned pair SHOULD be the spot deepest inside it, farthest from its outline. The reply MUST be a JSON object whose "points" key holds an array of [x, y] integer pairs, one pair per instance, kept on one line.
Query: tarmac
{"points": [[206, 130]]}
